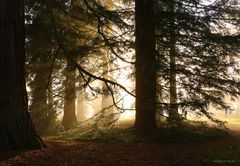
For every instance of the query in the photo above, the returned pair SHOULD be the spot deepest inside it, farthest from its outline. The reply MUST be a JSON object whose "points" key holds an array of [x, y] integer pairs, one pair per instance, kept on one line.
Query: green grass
{"points": [[188, 132]]}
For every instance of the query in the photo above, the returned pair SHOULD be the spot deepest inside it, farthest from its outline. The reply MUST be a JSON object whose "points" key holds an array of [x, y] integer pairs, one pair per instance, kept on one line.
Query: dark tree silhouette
{"points": [[16, 128], [145, 66]]}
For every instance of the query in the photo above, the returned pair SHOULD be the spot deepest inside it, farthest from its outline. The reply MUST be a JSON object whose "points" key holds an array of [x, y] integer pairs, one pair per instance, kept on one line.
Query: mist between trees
{"points": [[154, 62], [91, 59]]}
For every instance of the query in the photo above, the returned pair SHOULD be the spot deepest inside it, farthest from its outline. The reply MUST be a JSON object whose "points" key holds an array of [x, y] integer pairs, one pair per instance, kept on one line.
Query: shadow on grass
{"points": [[188, 132]]}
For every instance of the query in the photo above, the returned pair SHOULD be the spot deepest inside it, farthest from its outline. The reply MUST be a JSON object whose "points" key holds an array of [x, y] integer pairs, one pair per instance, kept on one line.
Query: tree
{"points": [[145, 66], [145, 53], [64, 25], [41, 107], [173, 110], [81, 93], [99, 40], [41, 52], [107, 105], [205, 50], [16, 128], [69, 115]]}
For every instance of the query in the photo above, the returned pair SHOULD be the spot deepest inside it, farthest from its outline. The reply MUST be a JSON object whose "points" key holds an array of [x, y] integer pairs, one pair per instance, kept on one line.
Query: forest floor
{"points": [[224, 150]]}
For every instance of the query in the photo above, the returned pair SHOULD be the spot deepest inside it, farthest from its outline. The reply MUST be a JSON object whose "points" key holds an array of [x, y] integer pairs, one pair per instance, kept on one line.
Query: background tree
{"points": [[41, 107], [41, 61], [74, 34], [69, 115], [185, 43], [205, 51]]}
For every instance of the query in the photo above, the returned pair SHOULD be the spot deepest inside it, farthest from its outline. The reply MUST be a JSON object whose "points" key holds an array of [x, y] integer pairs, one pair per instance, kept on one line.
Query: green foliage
{"points": [[83, 31], [206, 53]]}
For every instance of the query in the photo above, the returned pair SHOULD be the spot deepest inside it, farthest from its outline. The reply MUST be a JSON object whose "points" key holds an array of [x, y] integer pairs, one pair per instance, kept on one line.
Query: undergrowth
{"points": [[188, 132]]}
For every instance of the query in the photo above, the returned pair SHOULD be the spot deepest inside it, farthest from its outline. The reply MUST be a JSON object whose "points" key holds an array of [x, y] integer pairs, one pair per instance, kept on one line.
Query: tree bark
{"points": [[173, 112], [16, 128], [69, 116], [80, 106], [145, 66], [41, 108]]}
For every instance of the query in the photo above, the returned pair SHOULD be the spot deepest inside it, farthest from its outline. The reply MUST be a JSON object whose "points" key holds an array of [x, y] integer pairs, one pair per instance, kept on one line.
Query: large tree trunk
{"points": [[69, 116], [16, 128], [145, 66]]}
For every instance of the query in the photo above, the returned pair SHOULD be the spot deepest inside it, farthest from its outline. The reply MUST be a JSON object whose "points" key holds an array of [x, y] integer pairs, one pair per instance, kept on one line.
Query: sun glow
{"points": [[92, 100]]}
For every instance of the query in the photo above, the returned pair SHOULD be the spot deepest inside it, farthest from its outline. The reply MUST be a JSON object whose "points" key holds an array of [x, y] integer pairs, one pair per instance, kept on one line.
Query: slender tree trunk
{"points": [[145, 66], [81, 111], [160, 113], [108, 115], [50, 101], [107, 100], [173, 112], [80, 106], [16, 128], [69, 116], [40, 107]]}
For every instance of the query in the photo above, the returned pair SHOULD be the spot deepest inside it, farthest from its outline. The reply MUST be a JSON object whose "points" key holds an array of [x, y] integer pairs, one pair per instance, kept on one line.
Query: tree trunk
{"points": [[173, 112], [41, 106], [107, 105], [160, 110], [145, 66], [80, 106], [81, 110], [69, 116], [16, 128]]}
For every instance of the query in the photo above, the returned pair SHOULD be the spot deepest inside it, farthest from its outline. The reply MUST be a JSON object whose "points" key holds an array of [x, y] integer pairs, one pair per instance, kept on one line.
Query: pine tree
{"points": [[55, 29], [41, 55], [205, 52]]}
